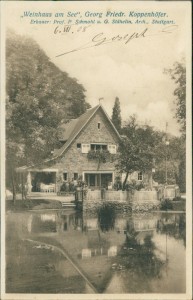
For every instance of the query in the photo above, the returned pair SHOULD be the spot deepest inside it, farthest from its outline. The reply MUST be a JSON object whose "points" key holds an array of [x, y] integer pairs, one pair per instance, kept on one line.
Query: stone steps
{"points": [[68, 204]]}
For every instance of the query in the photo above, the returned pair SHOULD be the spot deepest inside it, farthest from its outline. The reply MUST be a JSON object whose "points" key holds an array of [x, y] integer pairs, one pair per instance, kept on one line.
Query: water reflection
{"points": [[116, 253]]}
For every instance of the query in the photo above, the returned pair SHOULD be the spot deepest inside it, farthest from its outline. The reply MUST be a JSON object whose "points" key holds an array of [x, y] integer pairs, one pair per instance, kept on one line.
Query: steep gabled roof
{"points": [[77, 126], [66, 129]]}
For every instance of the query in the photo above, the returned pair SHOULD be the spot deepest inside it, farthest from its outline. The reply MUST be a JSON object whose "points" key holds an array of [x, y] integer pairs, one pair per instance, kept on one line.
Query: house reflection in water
{"points": [[141, 227], [103, 246], [97, 242]]}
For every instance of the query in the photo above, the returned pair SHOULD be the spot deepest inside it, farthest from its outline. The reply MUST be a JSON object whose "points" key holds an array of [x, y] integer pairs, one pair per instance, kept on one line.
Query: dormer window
{"points": [[99, 125]]}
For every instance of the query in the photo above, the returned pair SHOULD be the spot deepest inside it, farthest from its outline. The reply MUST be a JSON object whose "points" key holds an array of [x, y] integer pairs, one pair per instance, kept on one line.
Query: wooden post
{"points": [[22, 187]]}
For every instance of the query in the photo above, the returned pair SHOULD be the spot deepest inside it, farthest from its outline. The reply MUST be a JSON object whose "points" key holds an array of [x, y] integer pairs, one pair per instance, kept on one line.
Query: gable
{"points": [[98, 130], [86, 121], [81, 129]]}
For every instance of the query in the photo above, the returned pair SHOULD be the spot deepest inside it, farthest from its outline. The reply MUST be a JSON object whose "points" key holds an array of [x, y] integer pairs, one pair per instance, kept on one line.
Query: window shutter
{"points": [[85, 148], [112, 149]]}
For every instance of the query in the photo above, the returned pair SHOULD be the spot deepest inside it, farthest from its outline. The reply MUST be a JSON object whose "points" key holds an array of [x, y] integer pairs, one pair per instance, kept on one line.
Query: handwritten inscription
{"points": [[101, 39], [70, 28]]}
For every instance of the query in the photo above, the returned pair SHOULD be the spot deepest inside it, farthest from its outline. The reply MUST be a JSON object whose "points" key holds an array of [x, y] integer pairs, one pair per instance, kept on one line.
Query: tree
{"points": [[116, 115], [178, 74], [39, 97], [137, 148], [175, 158]]}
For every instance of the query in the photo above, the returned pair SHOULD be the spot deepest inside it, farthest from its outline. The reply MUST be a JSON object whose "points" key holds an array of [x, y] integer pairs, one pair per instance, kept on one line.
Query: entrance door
{"points": [[98, 180]]}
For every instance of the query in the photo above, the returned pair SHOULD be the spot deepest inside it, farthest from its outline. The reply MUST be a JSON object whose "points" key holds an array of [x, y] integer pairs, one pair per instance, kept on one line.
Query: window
{"points": [[75, 176], [140, 176], [99, 147], [99, 125], [79, 146], [112, 149], [65, 176], [85, 148]]}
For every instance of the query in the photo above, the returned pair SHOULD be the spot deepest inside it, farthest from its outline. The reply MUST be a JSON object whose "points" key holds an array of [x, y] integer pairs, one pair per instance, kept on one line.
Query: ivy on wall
{"points": [[102, 156]]}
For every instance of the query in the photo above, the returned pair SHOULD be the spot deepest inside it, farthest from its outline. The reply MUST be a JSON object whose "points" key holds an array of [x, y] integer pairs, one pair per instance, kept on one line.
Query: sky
{"points": [[134, 71]]}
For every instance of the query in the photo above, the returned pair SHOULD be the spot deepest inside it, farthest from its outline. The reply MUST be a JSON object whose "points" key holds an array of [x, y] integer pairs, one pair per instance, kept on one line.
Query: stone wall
{"points": [[145, 196], [74, 161], [137, 201]]}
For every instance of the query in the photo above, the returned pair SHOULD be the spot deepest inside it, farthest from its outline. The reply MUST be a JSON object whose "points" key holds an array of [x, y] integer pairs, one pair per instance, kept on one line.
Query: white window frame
{"points": [[98, 144], [85, 148], [112, 148]]}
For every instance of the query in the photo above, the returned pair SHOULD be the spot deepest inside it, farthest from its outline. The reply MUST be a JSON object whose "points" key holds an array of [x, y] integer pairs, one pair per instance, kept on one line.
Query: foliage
{"points": [[175, 228], [178, 74], [72, 186], [39, 97], [102, 155], [106, 217], [166, 204], [143, 148], [116, 115], [142, 259], [176, 170], [118, 184], [130, 186], [137, 148]]}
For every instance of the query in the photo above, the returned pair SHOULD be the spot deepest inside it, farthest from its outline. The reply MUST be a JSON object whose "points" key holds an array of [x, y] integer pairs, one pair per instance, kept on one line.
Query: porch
{"points": [[43, 181]]}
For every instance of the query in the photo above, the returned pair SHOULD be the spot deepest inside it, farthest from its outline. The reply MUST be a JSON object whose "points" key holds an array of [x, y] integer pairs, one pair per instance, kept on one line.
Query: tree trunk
{"points": [[126, 177], [13, 186], [99, 162]]}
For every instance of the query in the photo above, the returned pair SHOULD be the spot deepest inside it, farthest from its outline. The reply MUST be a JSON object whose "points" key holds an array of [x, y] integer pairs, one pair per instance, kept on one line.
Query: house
{"points": [[90, 133], [82, 139]]}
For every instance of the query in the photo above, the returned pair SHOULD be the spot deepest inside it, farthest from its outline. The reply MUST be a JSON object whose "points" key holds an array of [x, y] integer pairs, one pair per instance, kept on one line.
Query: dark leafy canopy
{"points": [[178, 74], [175, 153], [39, 96], [137, 147], [116, 115], [143, 148]]}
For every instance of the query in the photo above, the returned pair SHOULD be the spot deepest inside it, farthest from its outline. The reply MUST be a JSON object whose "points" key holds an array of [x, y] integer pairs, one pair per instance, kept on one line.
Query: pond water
{"points": [[102, 251]]}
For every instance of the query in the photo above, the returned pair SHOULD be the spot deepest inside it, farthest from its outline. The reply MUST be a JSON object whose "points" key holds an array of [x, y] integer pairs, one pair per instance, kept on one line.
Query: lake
{"points": [[103, 251]]}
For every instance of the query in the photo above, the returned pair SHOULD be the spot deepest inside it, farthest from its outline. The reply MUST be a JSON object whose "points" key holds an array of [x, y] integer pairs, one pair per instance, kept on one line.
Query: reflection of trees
{"points": [[174, 226], [139, 258], [106, 218]]}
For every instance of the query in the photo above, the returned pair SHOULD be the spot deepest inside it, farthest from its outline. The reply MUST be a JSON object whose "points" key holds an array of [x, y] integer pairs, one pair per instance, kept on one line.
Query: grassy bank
{"points": [[34, 204]]}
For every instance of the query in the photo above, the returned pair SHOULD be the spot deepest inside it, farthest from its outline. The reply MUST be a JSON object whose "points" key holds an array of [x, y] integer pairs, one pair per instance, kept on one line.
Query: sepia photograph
{"points": [[96, 150]]}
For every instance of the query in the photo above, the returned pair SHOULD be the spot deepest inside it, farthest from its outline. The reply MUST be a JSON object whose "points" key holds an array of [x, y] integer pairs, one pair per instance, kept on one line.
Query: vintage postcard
{"points": [[96, 198]]}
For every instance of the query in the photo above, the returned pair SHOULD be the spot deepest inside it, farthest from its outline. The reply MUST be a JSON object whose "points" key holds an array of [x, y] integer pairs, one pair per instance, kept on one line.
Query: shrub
{"points": [[166, 204]]}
